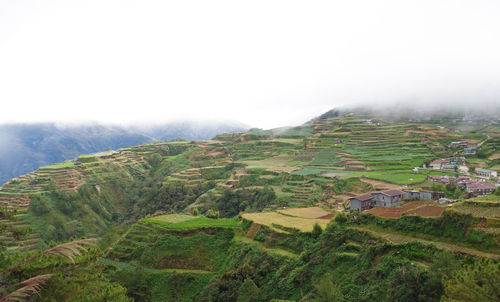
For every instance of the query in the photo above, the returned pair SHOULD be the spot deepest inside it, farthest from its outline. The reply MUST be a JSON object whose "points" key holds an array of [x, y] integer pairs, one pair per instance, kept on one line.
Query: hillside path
{"points": [[398, 238]]}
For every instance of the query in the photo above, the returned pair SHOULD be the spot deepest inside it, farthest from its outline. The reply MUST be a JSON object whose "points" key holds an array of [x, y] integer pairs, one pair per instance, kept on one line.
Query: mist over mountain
{"points": [[26, 147], [418, 110]]}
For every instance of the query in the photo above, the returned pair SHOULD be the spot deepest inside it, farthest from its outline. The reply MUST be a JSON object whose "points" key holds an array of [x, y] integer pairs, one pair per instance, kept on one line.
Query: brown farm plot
{"points": [[385, 212], [494, 156], [427, 211], [421, 208]]}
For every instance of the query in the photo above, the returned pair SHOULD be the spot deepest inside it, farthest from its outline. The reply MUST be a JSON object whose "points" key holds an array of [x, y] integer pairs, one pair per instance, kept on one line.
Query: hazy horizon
{"points": [[264, 64]]}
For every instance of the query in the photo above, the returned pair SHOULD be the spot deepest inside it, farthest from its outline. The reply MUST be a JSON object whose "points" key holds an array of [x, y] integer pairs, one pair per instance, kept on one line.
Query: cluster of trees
{"points": [[231, 203], [450, 190], [451, 226], [377, 271]]}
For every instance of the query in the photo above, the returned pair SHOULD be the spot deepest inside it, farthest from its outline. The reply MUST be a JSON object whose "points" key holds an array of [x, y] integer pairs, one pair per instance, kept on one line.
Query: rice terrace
{"points": [[349, 200]]}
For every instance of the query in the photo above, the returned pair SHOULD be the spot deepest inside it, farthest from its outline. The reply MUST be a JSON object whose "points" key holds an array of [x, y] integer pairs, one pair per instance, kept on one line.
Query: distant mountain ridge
{"points": [[26, 147]]}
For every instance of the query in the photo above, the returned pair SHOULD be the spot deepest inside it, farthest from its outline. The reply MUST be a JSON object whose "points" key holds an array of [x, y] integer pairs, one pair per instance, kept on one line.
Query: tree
{"points": [[340, 218], [155, 160], [476, 282], [327, 290], [248, 291], [212, 214], [38, 205], [317, 230], [196, 212], [412, 283]]}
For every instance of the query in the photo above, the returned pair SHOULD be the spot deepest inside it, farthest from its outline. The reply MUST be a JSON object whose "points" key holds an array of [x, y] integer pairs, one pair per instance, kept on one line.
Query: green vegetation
{"points": [[64, 165], [451, 227], [198, 222], [256, 216]]}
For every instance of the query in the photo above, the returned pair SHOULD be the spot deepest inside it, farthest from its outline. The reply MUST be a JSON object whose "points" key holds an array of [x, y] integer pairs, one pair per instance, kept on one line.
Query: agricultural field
{"points": [[63, 165], [421, 208], [454, 248], [478, 211], [312, 212], [181, 222], [269, 188], [273, 219]]}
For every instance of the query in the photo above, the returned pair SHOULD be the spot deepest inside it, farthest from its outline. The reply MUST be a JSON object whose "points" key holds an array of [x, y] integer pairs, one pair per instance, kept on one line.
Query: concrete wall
{"points": [[355, 204]]}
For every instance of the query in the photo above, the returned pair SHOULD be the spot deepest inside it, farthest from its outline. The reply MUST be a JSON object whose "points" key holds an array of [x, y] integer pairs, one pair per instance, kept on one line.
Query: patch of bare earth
{"points": [[494, 156]]}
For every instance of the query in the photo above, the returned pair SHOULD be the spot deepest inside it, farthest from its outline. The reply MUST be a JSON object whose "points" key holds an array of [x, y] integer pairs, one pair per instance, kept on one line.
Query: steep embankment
{"points": [[182, 261]]}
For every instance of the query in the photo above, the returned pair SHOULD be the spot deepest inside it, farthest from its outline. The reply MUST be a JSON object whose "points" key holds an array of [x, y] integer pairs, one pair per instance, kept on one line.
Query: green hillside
{"points": [[261, 215]]}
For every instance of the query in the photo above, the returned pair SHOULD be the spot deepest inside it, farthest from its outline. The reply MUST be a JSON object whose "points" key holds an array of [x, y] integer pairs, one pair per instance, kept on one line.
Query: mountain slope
{"points": [[252, 212], [26, 147]]}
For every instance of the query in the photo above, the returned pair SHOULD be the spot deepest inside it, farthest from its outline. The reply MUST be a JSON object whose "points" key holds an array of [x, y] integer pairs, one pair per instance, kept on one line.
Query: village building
{"points": [[471, 150], [447, 163], [388, 198], [412, 195], [458, 144], [480, 188], [430, 195], [443, 179], [487, 173], [361, 202]]}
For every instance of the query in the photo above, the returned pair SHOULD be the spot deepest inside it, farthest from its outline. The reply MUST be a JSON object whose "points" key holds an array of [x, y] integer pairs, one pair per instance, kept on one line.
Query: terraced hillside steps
{"points": [[252, 231], [67, 179], [192, 173], [14, 201], [307, 154], [28, 242], [301, 193]]}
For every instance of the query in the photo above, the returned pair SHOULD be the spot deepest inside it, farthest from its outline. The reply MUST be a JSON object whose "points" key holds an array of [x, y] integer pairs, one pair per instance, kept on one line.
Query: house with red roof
{"points": [[480, 188]]}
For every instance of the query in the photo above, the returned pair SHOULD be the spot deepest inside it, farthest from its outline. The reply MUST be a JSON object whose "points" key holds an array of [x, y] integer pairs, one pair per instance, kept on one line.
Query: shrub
{"points": [[317, 230], [340, 218], [212, 214], [248, 291], [38, 205]]}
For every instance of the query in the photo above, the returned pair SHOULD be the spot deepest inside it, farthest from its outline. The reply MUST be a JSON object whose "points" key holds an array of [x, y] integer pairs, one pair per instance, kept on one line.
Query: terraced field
{"points": [[421, 208], [479, 211], [398, 238], [312, 213], [301, 192], [274, 219]]}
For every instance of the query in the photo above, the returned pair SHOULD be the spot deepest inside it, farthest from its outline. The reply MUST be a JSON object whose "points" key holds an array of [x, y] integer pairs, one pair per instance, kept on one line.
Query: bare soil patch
{"points": [[427, 211], [422, 208], [494, 156], [385, 212]]}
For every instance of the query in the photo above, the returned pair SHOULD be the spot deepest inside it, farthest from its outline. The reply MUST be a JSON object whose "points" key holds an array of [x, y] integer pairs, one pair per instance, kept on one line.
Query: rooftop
{"points": [[392, 192], [485, 170], [364, 197], [481, 185]]}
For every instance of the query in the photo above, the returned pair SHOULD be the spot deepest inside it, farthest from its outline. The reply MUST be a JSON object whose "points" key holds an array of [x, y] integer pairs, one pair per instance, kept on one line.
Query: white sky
{"points": [[264, 63]]}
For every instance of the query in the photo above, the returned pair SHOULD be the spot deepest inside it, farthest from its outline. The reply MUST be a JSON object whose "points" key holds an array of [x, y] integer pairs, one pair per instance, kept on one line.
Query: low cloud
{"points": [[264, 63]]}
